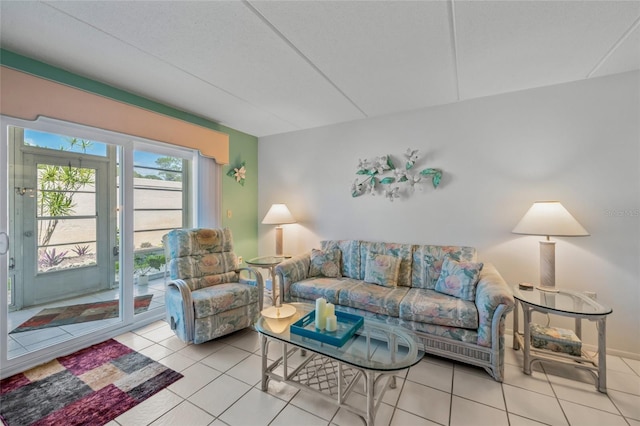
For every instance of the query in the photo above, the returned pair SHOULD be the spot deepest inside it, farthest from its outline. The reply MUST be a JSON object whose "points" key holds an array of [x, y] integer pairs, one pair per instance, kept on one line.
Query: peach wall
{"points": [[27, 97]]}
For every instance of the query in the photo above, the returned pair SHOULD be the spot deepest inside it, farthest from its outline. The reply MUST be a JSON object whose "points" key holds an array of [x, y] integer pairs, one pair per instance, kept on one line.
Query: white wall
{"points": [[578, 143]]}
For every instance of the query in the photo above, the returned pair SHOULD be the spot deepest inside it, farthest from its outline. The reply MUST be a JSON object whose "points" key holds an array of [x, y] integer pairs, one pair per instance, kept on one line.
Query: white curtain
{"points": [[208, 193]]}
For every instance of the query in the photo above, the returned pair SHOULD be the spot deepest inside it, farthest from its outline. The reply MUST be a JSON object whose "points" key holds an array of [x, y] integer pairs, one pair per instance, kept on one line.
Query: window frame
{"points": [[192, 204]]}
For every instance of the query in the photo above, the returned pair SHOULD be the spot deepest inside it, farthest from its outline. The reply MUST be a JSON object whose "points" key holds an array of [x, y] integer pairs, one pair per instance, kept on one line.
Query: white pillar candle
{"points": [[332, 323], [321, 305], [329, 310]]}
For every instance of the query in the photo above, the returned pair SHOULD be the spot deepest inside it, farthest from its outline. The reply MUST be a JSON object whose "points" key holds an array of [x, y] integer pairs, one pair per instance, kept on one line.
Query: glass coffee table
{"points": [[375, 352]]}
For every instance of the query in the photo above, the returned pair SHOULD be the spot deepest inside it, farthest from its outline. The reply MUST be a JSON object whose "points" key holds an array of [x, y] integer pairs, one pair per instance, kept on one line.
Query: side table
{"points": [[270, 263], [565, 303]]}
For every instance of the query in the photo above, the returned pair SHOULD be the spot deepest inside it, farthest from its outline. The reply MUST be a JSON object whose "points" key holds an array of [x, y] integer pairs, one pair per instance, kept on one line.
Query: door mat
{"points": [[90, 387], [75, 314]]}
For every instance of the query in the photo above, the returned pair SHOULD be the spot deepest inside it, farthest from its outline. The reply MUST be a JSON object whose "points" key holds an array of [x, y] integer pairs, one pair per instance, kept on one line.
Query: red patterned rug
{"points": [[74, 314], [90, 387]]}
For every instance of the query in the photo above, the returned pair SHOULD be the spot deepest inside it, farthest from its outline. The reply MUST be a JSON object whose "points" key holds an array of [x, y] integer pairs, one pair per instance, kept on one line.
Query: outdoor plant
{"points": [[49, 258], [144, 264], [57, 186], [81, 250]]}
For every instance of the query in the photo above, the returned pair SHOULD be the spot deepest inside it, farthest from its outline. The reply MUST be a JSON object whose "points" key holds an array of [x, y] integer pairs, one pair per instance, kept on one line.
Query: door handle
{"points": [[4, 243]]}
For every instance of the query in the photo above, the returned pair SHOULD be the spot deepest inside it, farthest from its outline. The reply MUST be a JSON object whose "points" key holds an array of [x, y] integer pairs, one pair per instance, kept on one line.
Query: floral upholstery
{"points": [[431, 307], [372, 297], [291, 271], [350, 250], [468, 330], [216, 267], [205, 298], [402, 251], [225, 322], [459, 279], [325, 263], [224, 297], [491, 292], [314, 288], [555, 339], [427, 262], [195, 242], [382, 269], [454, 333]]}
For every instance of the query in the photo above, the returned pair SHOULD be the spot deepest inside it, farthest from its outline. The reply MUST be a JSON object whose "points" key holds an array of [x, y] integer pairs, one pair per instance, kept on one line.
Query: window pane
{"points": [[72, 244], [63, 143], [65, 191], [158, 197]]}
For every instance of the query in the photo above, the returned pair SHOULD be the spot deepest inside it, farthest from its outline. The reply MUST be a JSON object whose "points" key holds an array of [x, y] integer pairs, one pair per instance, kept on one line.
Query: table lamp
{"points": [[549, 218], [278, 215]]}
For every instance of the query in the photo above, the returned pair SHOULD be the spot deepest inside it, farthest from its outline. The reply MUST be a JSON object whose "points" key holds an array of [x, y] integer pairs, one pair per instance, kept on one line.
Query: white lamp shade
{"points": [[549, 218], [278, 214]]}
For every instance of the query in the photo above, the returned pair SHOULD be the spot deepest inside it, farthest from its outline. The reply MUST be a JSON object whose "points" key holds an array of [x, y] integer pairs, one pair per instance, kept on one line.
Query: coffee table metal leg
{"points": [[371, 384], [263, 347]]}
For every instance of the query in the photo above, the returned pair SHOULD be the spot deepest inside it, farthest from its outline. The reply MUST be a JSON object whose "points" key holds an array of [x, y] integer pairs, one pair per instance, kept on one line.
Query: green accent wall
{"points": [[241, 200]]}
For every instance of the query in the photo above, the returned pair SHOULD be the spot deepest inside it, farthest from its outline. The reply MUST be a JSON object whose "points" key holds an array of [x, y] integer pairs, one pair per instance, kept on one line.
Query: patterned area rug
{"points": [[74, 314], [90, 387]]}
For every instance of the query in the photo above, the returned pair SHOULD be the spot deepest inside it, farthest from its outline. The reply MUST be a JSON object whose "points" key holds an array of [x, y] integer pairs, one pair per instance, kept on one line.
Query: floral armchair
{"points": [[205, 297]]}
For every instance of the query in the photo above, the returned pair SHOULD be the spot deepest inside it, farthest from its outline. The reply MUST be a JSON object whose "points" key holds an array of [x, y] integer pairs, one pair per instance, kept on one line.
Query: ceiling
{"points": [[269, 67]]}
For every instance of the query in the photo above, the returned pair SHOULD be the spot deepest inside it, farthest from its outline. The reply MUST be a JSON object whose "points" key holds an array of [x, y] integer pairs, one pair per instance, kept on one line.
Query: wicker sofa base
{"points": [[489, 358]]}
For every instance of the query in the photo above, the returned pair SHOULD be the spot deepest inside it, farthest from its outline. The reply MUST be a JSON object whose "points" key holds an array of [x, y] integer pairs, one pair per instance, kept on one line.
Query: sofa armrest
{"points": [[492, 292], [291, 271]]}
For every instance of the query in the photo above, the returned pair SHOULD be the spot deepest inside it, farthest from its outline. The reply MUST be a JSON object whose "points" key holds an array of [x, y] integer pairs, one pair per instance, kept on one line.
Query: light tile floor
{"points": [[221, 386]]}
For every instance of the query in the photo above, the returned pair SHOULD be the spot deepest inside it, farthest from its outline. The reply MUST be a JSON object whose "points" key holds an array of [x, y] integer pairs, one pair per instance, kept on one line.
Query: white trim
{"points": [[4, 227]]}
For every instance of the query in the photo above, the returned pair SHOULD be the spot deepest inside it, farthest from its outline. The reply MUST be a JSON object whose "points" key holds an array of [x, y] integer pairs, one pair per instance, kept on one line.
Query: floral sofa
{"points": [[414, 286]]}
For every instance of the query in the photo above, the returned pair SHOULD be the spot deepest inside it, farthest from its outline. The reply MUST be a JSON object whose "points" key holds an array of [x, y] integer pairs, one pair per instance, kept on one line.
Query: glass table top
{"points": [[376, 346], [572, 302], [265, 260]]}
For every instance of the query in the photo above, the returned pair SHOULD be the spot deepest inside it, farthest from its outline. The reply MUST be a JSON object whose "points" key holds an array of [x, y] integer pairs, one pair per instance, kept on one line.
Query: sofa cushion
{"points": [[313, 288], [372, 297], [381, 269], [325, 263], [459, 279], [431, 307], [402, 251], [350, 250], [427, 262], [223, 297]]}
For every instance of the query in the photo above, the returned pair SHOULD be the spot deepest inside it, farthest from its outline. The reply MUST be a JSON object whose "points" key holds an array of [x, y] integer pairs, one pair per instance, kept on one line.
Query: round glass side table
{"points": [[270, 263]]}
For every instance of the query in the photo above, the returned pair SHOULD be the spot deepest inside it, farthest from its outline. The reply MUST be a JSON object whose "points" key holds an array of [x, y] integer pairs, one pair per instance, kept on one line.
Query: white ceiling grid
{"points": [[268, 67]]}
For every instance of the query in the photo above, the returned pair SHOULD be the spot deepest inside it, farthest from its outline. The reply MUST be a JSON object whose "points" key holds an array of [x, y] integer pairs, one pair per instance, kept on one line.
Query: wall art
{"points": [[380, 175], [238, 173]]}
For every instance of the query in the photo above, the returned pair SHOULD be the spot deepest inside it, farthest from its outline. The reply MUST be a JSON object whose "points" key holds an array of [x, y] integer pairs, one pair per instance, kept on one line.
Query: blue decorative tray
{"points": [[348, 324]]}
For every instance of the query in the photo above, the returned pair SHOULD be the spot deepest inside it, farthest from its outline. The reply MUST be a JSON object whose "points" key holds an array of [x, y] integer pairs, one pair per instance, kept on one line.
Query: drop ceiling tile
{"points": [[508, 46], [626, 57], [228, 46], [385, 56]]}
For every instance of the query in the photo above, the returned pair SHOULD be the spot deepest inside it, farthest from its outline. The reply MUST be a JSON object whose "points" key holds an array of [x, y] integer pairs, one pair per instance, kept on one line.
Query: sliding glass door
{"points": [[86, 210], [66, 228]]}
